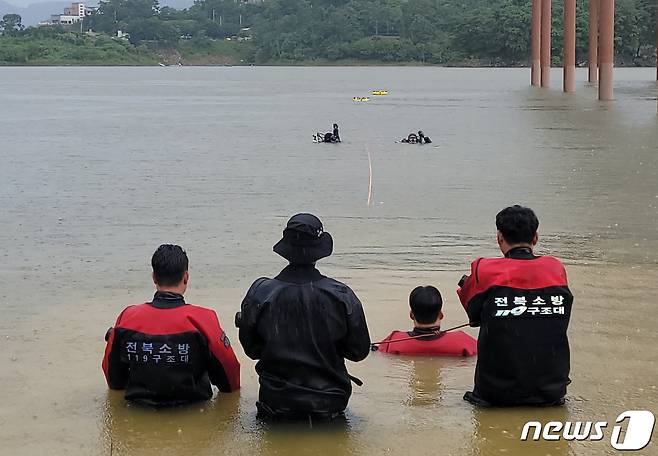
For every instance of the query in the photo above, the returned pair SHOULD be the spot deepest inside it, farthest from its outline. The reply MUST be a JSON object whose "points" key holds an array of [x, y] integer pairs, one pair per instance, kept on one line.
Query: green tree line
{"points": [[478, 32]]}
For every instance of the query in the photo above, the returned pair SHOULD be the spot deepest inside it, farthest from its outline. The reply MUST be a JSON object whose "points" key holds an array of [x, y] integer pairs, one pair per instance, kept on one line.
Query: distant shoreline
{"points": [[288, 64]]}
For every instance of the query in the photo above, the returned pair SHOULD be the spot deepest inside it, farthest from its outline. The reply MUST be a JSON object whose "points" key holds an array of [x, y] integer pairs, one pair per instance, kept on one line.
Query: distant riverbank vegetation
{"points": [[445, 32]]}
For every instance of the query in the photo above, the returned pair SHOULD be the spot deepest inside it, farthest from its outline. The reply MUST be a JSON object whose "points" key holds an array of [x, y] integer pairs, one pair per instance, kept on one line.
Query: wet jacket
{"points": [[301, 326], [167, 352], [454, 343], [522, 304]]}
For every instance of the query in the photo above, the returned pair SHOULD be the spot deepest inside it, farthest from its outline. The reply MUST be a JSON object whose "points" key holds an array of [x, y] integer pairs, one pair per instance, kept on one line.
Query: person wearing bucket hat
{"points": [[304, 240], [301, 326]]}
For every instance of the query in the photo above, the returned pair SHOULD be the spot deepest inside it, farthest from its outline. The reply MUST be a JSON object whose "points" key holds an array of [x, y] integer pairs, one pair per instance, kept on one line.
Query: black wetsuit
{"points": [[301, 326], [522, 304], [412, 138]]}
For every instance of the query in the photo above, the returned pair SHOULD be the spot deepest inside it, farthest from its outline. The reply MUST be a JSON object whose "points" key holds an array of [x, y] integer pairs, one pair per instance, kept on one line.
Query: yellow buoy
{"points": [[380, 92], [360, 98]]}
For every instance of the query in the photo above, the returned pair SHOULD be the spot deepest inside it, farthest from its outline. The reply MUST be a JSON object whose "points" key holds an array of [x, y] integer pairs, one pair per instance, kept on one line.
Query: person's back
{"points": [[522, 303], [168, 352], [301, 326], [426, 338], [305, 336], [335, 134], [429, 343]]}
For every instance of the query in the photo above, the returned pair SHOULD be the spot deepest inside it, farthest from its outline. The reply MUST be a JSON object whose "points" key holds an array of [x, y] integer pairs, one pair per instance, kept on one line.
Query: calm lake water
{"points": [[101, 165]]}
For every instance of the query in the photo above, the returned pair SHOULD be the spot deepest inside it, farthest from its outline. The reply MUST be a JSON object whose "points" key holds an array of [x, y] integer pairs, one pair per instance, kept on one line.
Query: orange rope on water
{"points": [[369, 177]]}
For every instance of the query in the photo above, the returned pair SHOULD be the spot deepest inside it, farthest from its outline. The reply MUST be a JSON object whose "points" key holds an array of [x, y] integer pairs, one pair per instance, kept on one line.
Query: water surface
{"points": [[100, 165]]}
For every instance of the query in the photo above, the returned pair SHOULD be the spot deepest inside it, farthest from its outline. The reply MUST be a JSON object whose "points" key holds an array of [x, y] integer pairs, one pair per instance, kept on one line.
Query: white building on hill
{"points": [[73, 14]]}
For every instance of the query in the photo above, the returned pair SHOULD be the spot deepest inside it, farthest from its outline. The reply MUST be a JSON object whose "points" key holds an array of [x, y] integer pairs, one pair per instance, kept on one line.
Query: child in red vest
{"points": [[426, 304]]}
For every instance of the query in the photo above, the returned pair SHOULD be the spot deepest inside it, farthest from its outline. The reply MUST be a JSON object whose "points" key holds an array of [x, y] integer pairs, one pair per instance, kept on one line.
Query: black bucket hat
{"points": [[304, 240]]}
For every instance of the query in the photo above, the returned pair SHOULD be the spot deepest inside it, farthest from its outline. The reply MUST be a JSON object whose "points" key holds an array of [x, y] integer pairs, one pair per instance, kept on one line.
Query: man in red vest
{"points": [[168, 352], [522, 304], [426, 338]]}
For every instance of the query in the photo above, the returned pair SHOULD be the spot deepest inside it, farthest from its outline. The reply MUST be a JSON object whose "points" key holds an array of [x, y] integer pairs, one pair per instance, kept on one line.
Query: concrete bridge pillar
{"points": [[569, 46], [593, 48], [606, 48], [535, 44], [545, 43]]}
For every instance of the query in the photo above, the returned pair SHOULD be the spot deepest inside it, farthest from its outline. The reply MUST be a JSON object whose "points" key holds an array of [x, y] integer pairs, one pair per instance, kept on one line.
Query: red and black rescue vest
{"points": [[168, 352], [522, 304], [455, 343]]}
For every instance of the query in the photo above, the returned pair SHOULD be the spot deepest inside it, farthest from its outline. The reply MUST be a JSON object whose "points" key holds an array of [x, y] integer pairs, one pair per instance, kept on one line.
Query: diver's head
{"points": [[420, 133], [426, 304], [170, 268], [517, 227], [335, 126]]}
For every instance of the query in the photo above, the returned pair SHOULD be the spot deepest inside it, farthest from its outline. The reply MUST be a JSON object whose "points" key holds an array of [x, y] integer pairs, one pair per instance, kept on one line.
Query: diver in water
{"points": [[414, 138], [329, 137], [411, 139], [335, 135], [422, 139]]}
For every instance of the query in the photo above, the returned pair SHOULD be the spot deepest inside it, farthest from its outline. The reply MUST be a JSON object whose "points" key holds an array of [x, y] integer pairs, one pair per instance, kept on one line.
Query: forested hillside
{"points": [[451, 32]]}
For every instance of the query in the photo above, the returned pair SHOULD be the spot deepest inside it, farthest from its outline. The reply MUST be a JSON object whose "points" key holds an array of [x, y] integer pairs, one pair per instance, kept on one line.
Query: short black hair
{"points": [[426, 304], [517, 224], [169, 264]]}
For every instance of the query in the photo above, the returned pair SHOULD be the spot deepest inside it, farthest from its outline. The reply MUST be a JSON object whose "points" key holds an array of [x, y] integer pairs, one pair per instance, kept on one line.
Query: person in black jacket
{"points": [[301, 326], [335, 135], [522, 304]]}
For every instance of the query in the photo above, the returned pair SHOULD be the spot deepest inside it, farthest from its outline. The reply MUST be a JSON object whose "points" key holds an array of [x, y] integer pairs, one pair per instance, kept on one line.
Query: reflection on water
{"points": [[324, 438], [497, 432], [213, 427], [134, 429], [424, 382], [446, 251]]}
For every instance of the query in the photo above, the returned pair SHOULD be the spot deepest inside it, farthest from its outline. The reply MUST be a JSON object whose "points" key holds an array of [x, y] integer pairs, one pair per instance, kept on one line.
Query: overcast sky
{"points": [[21, 3], [24, 3]]}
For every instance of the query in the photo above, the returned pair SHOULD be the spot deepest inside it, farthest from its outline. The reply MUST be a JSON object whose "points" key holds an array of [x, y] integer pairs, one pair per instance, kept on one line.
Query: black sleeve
{"points": [[474, 310], [473, 304], [116, 372], [251, 309], [356, 344]]}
